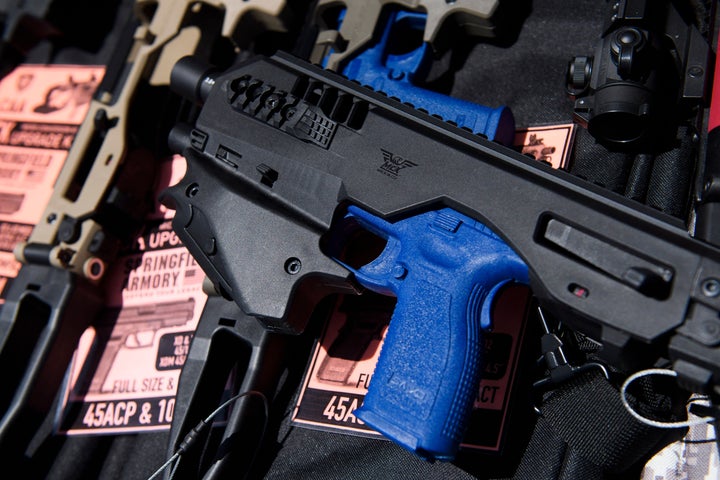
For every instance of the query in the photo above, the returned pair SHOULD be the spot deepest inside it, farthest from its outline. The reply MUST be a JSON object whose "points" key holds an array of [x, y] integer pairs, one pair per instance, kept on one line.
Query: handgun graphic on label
{"points": [[130, 327], [365, 321]]}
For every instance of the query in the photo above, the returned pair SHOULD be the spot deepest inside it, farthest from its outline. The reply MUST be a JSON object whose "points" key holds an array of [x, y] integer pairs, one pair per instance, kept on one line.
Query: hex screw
{"points": [[695, 71], [192, 190], [272, 101], [711, 287], [293, 265]]}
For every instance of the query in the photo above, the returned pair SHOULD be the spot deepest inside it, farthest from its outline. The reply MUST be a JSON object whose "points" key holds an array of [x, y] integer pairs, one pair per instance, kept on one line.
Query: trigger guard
{"points": [[486, 309]]}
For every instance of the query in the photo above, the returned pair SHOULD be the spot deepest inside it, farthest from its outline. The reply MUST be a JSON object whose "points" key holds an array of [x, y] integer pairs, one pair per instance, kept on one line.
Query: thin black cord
{"points": [[174, 469], [704, 440], [191, 437], [176, 456]]}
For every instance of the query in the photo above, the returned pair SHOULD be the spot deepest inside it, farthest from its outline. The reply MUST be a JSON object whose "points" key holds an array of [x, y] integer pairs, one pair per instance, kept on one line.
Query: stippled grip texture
{"points": [[445, 269]]}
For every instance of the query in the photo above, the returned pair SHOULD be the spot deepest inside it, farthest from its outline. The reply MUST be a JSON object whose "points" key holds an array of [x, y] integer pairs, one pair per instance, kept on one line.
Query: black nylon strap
{"points": [[585, 431], [665, 181]]}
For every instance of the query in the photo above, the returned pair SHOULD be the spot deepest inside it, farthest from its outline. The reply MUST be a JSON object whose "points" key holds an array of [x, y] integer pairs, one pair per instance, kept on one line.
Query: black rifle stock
{"points": [[285, 146]]}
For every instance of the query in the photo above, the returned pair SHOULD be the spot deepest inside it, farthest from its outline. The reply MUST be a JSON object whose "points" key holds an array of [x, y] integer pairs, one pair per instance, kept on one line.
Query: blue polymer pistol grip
{"points": [[395, 74], [445, 269]]}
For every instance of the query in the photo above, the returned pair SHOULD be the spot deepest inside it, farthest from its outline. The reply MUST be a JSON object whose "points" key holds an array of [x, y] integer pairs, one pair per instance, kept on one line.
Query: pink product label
{"points": [[126, 369]]}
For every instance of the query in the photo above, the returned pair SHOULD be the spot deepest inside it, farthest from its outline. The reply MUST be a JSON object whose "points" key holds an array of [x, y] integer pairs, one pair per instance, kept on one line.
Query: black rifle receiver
{"points": [[284, 146]]}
